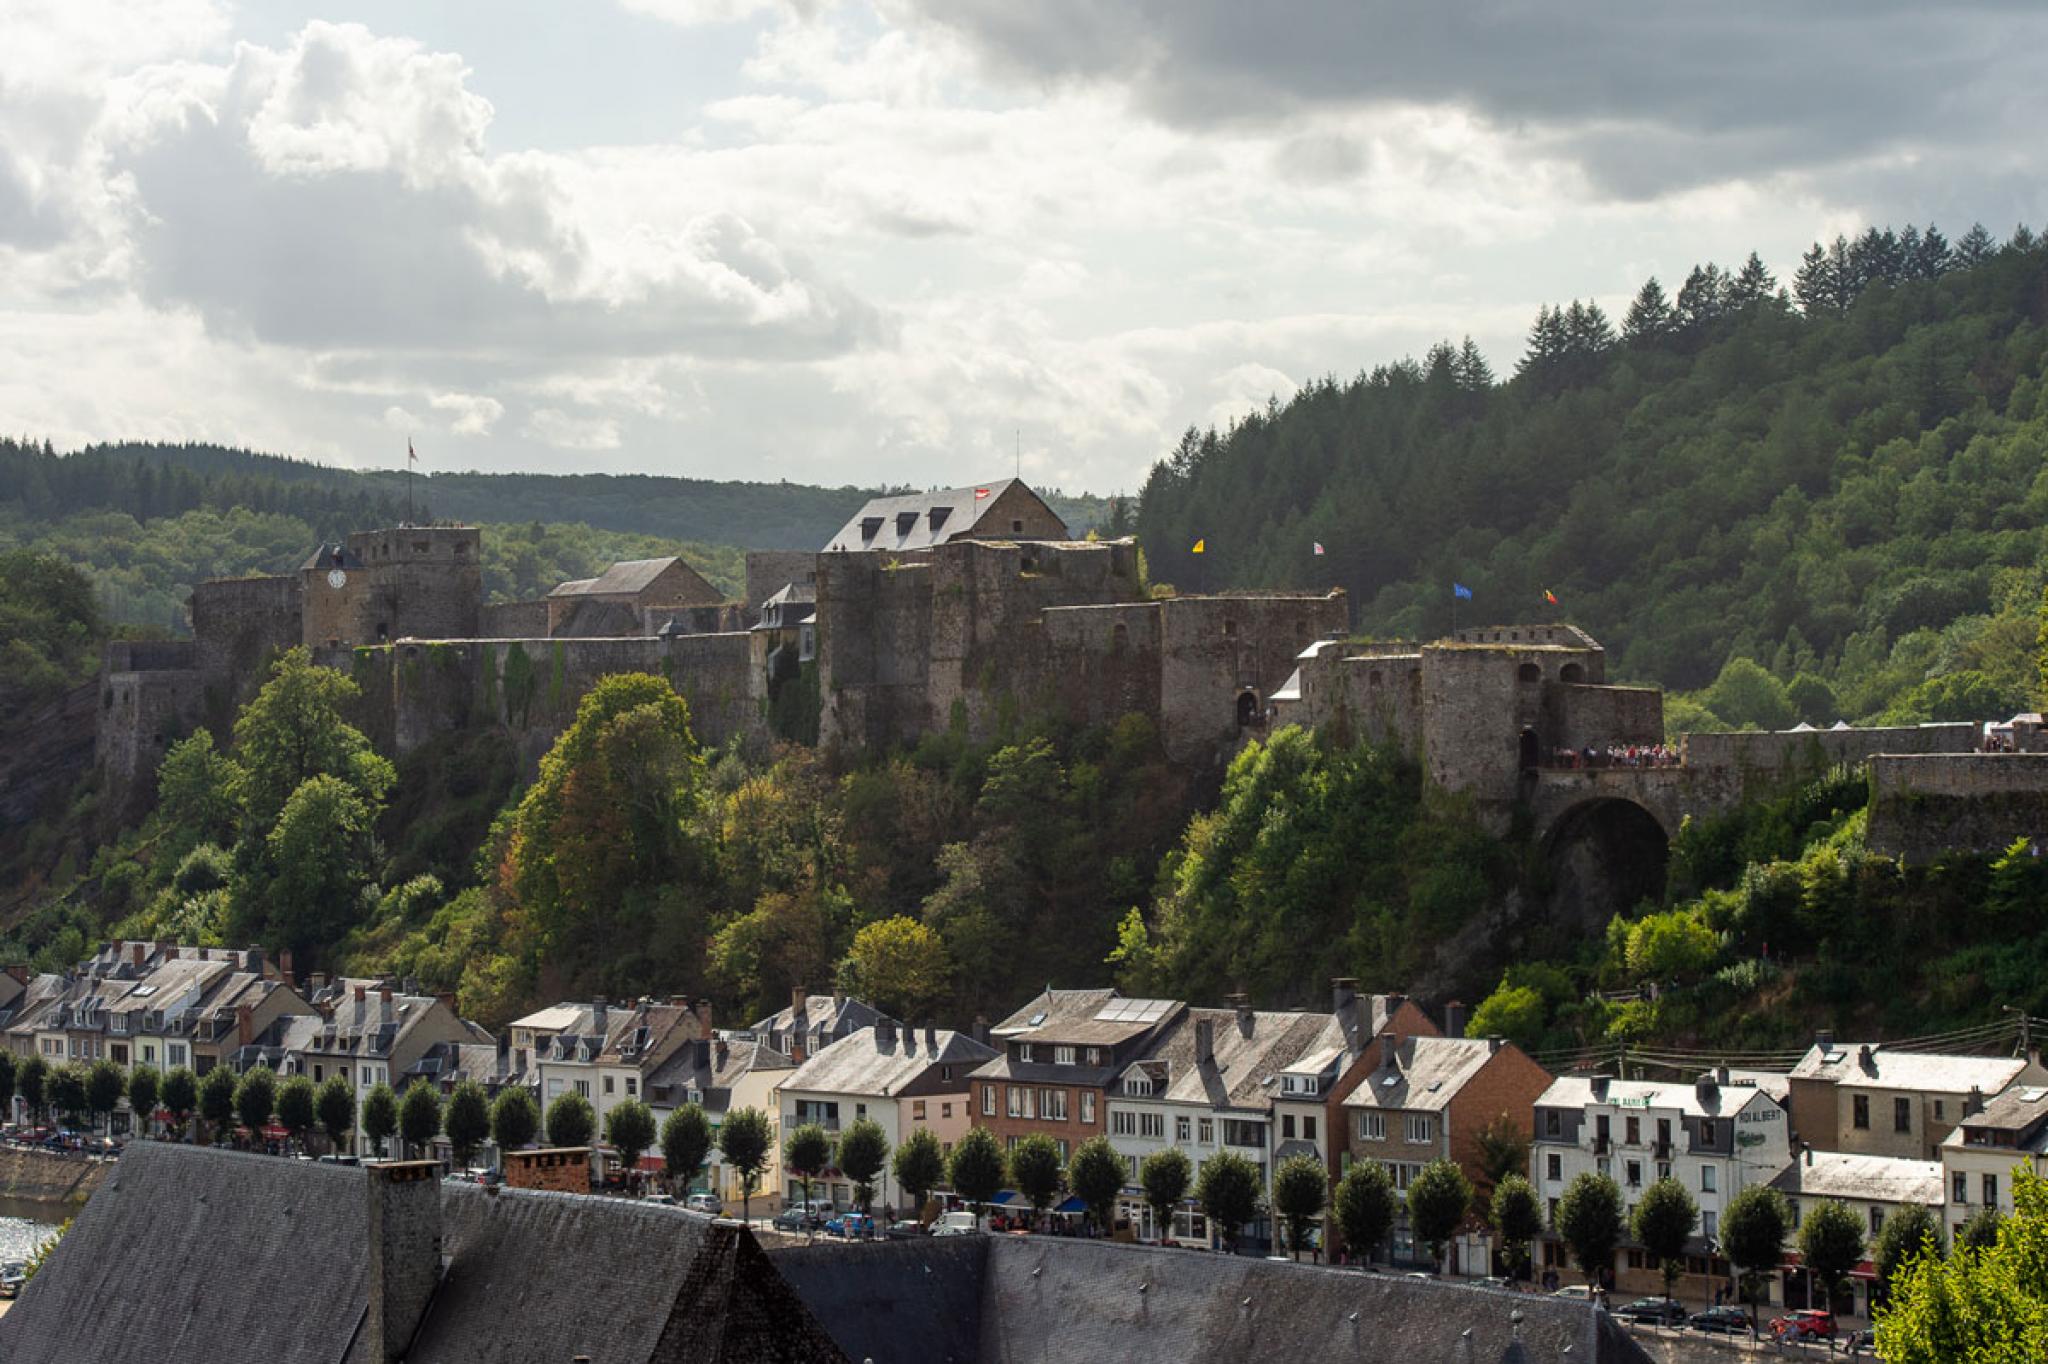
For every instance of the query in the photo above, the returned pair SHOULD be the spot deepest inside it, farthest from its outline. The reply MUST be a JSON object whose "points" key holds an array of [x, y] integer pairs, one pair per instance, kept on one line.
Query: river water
{"points": [[23, 1225]]}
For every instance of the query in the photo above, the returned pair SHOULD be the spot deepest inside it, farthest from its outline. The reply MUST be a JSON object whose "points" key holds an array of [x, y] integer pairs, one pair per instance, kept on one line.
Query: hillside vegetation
{"points": [[1842, 481]]}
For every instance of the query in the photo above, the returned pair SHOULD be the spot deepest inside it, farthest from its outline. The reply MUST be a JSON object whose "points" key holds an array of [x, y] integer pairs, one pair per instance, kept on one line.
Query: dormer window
{"points": [[1138, 1085], [1063, 1056], [938, 517], [870, 527], [906, 522]]}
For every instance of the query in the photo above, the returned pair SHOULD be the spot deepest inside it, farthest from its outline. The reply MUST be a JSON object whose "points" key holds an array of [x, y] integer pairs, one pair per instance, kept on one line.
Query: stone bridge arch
{"points": [[1606, 837]]}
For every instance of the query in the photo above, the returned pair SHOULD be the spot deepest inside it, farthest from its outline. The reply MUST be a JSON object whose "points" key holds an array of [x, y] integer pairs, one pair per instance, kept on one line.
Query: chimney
{"points": [[1493, 1043], [703, 1046], [885, 1031], [838, 999], [1824, 1039], [1707, 1086], [171, 952], [931, 1038], [704, 1017], [1721, 1076], [318, 982], [1205, 1041], [1243, 1004], [284, 964], [1343, 994], [255, 961], [798, 996], [1599, 1084], [405, 1252], [1974, 1104], [1808, 1153], [720, 1050], [1454, 1019], [981, 1029], [359, 994], [244, 1034], [384, 1003], [139, 952], [1864, 1058], [504, 1050]]}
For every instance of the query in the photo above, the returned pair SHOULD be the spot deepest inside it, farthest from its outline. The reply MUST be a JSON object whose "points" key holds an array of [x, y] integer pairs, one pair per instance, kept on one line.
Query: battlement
{"points": [[1925, 805], [417, 544]]}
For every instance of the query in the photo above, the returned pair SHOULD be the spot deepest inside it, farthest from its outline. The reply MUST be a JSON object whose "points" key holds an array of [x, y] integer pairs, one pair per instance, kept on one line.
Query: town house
{"points": [[1979, 1157], [1059, 1055], [722, 1075], [811, 1022], [370, 1033], [1308, 1106], [1875, 1188], [1880, 1101], [641, 1044]]}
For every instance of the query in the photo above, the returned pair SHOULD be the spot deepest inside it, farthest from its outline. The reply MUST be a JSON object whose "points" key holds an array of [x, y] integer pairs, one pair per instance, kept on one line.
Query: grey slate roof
{"points": [[1247, 1059], [867, 1063], [958, 510], [625, 578], [1430, 1073], [1871, 1179], [1875, 1066]]}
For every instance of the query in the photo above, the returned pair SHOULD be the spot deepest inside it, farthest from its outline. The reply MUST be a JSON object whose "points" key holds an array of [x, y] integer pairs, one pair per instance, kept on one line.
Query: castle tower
{"points": [[418, 582]]}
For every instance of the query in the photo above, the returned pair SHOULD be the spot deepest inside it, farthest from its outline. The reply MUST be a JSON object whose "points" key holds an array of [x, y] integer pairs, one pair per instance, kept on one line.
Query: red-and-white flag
{"points": [[1318, 544], [980, 493], [410, 457]]}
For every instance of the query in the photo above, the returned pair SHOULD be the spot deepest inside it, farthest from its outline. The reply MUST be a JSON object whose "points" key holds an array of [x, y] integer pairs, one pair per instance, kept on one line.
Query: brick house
{"points": [[1308, 1108], [1059, 1056]]}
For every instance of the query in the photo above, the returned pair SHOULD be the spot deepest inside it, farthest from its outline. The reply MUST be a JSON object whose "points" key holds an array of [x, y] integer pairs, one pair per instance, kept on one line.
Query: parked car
{"points": [[792, 1219], [1496, 1282], [1726, 1321], [851, 1224], [12, 1275], [1653, 1312], [705, 1202], [1577, 1292], [1808, 1323]]}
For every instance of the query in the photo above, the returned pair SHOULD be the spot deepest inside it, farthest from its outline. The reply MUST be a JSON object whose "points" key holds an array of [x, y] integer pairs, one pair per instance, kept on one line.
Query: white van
{"points": [[958, 1223]]}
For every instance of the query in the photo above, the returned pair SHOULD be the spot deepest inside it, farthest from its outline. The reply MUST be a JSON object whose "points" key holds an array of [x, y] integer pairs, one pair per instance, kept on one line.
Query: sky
{"points": [[911, 241]]}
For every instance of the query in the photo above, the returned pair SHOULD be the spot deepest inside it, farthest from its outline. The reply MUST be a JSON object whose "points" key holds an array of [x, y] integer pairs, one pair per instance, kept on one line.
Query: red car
{"points": [[1805, 1324]]}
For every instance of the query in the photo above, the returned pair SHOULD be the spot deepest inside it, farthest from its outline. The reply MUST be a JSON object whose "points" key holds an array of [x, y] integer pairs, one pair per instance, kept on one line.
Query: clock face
{"points": [[337, 579]]}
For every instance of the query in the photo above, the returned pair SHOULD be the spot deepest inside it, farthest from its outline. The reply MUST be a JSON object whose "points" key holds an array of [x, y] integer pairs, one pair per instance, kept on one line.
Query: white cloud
{"points": [[469, 414], [552, 426]]}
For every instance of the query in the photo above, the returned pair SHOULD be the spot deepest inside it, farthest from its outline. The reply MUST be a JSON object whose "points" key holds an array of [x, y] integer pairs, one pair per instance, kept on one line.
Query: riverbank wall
{"points": [[47, 1177]]}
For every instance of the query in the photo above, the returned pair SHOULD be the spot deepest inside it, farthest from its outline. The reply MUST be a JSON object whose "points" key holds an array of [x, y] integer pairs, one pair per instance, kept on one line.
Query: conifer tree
{"points": [[1973, 248], [1650, 319]]}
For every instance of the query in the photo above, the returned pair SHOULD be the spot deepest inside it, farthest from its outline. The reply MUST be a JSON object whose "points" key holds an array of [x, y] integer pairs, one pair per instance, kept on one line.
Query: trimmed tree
{"points": [[379, 1118], [1590, 1220], [1664, 1222], [629, 1129], [335, 1106], [180, 1097], [1753, 1230], [104, 1085], [1301, 1190], [419, 1118], [1035, 1170], [1980, 1230], [1830, 1245], [256, 1099], [805, 1153], [743, 1142], [1096, 1175], [1438, 1198], [32, 1080], [685, 1141], [1165, 1177], [1365, 1208], [515, 1119], [143, 1085], [1908, 1233], [863, 1155], [1228, 1188], [1517, 1214], [571, 1121], [976, 1168], [468, 1121], [295, 1108], [6, 1086], [920, 1166], [67, 1092]]}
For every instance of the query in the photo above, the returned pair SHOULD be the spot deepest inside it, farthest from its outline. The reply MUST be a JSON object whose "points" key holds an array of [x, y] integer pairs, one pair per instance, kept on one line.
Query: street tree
{"points": [[31, 1081], [1365, 1208], [1753, 1228], [67, 1092], [1228, 1189], [1909, 1232], [1438, 1198], [975, 1169], [468, 1121], [743, 1142], [1590, 1221], [805, 1153], [1830, 1245], [335, 1106], [1663, 1222], [180, 1097], [1035, 1170], [629, 1129], [1301, 1190], [217, 1103], [571, 1122], [104, 1085], [1165, 1176], [144, 1084], [920, 1166], [379, 1118], [256, 1100], [685, 1141], [1095, 1173], [863, 1155], [1517, 1214], [419, 1118], [515, 1119], [1988, 1303], [296, 1108]]}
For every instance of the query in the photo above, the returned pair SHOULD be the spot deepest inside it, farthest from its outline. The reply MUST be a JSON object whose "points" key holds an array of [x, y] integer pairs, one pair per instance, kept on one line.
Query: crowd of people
{"points": [[1615, 755]]}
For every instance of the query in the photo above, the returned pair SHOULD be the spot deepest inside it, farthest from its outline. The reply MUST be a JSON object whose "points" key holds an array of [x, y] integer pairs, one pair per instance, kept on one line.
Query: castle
{"points": [[970, 607]]}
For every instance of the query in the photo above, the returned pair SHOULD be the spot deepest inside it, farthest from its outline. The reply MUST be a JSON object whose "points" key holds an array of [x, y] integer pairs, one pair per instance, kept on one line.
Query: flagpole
{"points": [[409, 516]]}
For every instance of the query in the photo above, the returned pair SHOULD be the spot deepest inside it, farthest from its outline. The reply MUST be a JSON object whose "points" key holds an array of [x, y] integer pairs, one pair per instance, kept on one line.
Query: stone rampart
{"points": [[1924, 805], [239, 623], [514, 620], [49, 1176], [1803, 752], [1599, 717], [770, 570], [141, 714], [1223, 656]]}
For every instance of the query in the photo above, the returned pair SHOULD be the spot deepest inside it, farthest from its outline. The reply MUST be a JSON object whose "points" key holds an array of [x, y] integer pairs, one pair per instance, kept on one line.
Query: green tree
{"points": [[1095, 1173], [1753, 1228], [180, 1096], [68, 1092], [1988, 1303], [1165, 1176], [256, 1099], [1590, 1220], [419, 1119], [104, 1085], [629, 1129], [515, 1119], [143, 1084], [31, 1080], [975, 1169], [320, 850], [293, 730], [1746, 696], [685, 1141], [1663, 1222], [805, 1153], [1365, 1208], [920, 1165], [1035, 1170], [571, 1121], [1502, 1149], [297, 1108], [468, 1122], [1911, 1230], [1517, 1214], [1516, 1012], [743, 1141], [1438, 1198], [1831, 1245], [900, 965], [1228, 1189], [379, 1117], [1301, 1190], [217, 1102], [863, 1155], [196, 790], [1980, 1229], [335, 1105]]}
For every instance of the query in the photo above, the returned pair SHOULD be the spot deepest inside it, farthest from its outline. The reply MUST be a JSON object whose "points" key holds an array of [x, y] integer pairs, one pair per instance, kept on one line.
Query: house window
{"points": [[1138, 1085], [1030, 1100], [1663, 1169], [1087, 1105], [1308, 1127], [1094, 1056], [1876, 1219], [1023, 1051], [945, 1110], [1418, 1128], [1553, 1167], [1123, 1122], [1991, 1191], [988, 1101], [1183, 1130], [1961, 1187], [1707, 1179], [1792, 1206], [1939, 1114], [1287, 1127], [860, 1110], [1053, 1104], [1862, 1109], [1635, 1130], [1372, 1127], [607, 1084], [583, 1088], [1902, 1115], [1635, 1174], [1706, 1132], [1710, 1223], [1063, 1056], [1152, 1125], [1553, 1123], [632, 1084], [1015, 1105], [917, 1110], [1205, 1129]]}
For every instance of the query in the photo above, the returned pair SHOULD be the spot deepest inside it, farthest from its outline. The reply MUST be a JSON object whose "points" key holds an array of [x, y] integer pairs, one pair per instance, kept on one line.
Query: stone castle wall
{"points": [[514, 620], [1787, 753], [770, 570], [1215, 651], [1583, 716], [240, 623], [1925, 805], [142, 712]]}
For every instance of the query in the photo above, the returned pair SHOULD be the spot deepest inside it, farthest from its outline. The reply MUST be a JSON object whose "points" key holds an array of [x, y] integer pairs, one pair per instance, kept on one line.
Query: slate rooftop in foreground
{"points": [[255, 1260]]}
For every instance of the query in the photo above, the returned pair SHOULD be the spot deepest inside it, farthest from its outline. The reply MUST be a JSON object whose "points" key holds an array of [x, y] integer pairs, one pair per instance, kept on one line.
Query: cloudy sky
{"points": [[889, 240]]}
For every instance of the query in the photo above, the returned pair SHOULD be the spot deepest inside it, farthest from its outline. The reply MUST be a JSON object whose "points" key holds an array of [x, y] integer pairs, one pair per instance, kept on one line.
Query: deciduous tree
{"points": [[685, 1141], [571, 1122], [468, 1121], [629, 1129], [1365, 1208], [1301, 1190], [1096, 1175], [1590, 1221], [920, 1164], [1228, 1188], [863, 1155], [1438, 1198], [1035, 1169], [743, 1141], [1663, 1222], [1165, 1176], [975, 1169], [515, 1119]]}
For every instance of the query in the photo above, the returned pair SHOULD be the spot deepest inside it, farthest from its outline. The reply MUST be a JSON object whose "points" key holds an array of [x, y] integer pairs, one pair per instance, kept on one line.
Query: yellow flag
{"points": [[1199, 544]]}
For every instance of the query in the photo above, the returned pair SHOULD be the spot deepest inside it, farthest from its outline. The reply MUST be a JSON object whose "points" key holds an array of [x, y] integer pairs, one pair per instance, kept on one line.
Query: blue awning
{"points": [[1006, 1197], [1071, 1204]]}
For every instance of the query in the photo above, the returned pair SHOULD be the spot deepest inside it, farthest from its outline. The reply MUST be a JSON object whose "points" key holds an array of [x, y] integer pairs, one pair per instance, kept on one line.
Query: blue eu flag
{"points": [[1461, 591]]}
